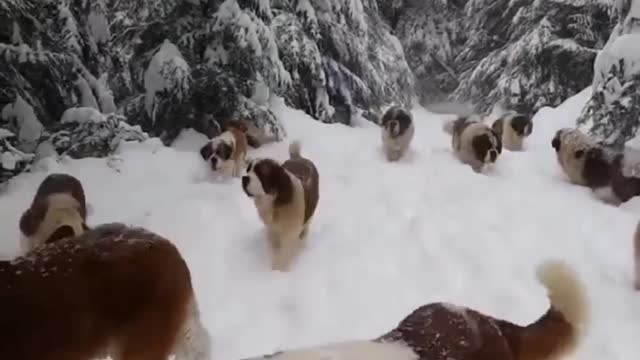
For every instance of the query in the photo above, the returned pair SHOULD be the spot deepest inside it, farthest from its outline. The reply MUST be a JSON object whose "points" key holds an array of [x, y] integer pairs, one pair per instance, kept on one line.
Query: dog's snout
{"points": [[245, 181], [214, 162], [493, 155]]}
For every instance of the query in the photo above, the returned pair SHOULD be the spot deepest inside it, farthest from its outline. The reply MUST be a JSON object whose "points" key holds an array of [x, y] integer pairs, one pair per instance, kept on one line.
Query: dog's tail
{"points": [[636, 256], [561, 328], [294, 150], [193, 342], [448, 126]]}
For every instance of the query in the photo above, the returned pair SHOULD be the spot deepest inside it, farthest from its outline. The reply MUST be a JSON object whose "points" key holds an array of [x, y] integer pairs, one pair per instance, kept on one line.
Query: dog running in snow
{"points": [[58, 210], [286, 196], [608, 173], [227, 152], [474, 143], [397, 132], [114, 290], [513, 128], [442, 331]]}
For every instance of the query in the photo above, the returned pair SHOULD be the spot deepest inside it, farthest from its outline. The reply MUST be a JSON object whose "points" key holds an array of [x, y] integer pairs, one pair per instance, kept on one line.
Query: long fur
{"points": [[397, 132], [442, 331], [473, 142], [114, 290]]}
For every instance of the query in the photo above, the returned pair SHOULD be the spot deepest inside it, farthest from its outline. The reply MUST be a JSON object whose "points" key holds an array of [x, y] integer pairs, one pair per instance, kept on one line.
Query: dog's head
{"points": [[486, 144], [396, 121], [521, 124], [561, 136], [216, 152], [59, 183], [266, 177], [50, 219]]}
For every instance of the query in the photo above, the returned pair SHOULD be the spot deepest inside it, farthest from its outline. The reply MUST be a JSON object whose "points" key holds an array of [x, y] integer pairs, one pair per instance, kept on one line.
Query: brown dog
{"points": [[587, 163], [286, 197], [227, 152], [115, 290], [441, 331], [58, 210], [473, 142]]}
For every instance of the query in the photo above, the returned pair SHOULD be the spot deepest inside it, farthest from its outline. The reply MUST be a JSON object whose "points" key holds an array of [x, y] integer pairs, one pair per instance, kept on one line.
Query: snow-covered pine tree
{"points": [[540, 52], [612, 115]]}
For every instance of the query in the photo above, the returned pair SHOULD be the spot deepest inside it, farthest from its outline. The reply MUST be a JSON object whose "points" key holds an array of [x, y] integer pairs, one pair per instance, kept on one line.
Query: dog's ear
{"points": [[206, 151], [33, 217], [555, 143]]}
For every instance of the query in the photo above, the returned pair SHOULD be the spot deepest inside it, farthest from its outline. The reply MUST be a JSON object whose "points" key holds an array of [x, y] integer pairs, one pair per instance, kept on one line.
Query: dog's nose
{"points": [[214, 162], [245, 181]]}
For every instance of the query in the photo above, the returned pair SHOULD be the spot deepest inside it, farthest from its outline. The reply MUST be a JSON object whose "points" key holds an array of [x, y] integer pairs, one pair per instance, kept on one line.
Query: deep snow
{"points": [[387, 237]]}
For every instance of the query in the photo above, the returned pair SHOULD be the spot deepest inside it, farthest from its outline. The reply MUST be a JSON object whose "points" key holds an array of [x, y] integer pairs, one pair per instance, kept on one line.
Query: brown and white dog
{"points": [[442, 331], [397, 132], [587, 163], [227, 152], [58, 210], [286, 196], [473, 142], [513, 128], [114, 290]]}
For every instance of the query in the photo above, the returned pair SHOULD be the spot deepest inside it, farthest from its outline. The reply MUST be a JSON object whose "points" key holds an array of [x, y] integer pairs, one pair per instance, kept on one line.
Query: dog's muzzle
{"points": [[245, 185], [493, 155], [214, 162]]}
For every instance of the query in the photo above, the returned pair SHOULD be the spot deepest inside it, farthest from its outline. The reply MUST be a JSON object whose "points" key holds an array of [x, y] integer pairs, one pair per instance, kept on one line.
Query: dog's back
{"points": [[305, 170], [111, 286]]}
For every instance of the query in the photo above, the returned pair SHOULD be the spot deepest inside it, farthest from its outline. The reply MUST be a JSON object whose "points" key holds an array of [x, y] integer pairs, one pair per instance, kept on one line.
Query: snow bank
{"points": [[30, 127], [387, 237]]}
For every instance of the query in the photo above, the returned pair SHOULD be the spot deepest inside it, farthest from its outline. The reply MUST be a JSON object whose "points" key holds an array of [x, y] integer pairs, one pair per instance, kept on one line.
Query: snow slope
{"points": [[387, 237]]}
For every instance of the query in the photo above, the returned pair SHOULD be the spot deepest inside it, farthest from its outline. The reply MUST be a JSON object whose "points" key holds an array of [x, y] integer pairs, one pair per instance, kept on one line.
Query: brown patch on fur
{"points": [[114, 289], [498, 126], [441, 331], [275, 181], [305, 170]]}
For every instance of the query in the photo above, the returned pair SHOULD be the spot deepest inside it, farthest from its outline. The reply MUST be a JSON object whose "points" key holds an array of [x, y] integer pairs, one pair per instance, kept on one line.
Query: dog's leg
{"points": [[289, 248], [193, 342]]}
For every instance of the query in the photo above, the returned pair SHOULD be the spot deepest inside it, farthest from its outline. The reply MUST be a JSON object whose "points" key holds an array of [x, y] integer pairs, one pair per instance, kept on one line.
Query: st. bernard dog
{"points": [[587, 163], [286, 196], [474, 143], [443, 331], [114, 291], [513, 128], [397, 132], [58, 210], [226, 153]]}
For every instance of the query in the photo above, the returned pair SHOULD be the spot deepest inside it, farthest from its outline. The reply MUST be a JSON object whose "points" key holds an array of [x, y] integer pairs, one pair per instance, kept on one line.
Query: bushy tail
{"points": [[193, 341], [636, 257], [568, 297], [294, 150], [448, 126]]}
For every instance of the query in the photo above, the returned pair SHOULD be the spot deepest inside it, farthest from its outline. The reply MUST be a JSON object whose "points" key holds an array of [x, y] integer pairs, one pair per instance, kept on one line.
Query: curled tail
{"points": [[568, 298], [294, 150]]}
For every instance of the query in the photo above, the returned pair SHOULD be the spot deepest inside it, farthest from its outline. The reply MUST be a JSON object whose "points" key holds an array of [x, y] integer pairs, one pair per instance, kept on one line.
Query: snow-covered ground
{"points": [[387, 237]]}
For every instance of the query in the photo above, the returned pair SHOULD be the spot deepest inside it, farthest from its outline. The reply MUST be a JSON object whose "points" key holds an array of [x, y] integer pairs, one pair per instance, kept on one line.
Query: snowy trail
{"points": [[387, 237]]}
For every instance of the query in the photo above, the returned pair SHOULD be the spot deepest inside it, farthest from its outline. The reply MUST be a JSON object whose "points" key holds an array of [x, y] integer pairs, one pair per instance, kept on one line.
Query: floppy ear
{"points": [[206, 151], [33, 216]]}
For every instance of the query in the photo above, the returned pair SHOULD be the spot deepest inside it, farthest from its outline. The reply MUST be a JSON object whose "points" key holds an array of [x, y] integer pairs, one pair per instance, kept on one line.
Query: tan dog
{"points": [[587, 163], [58, 210], [115, 290], [473, 142], [227, 152], [442, 331], [513, 129], [286, 197], [397, 132]]}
